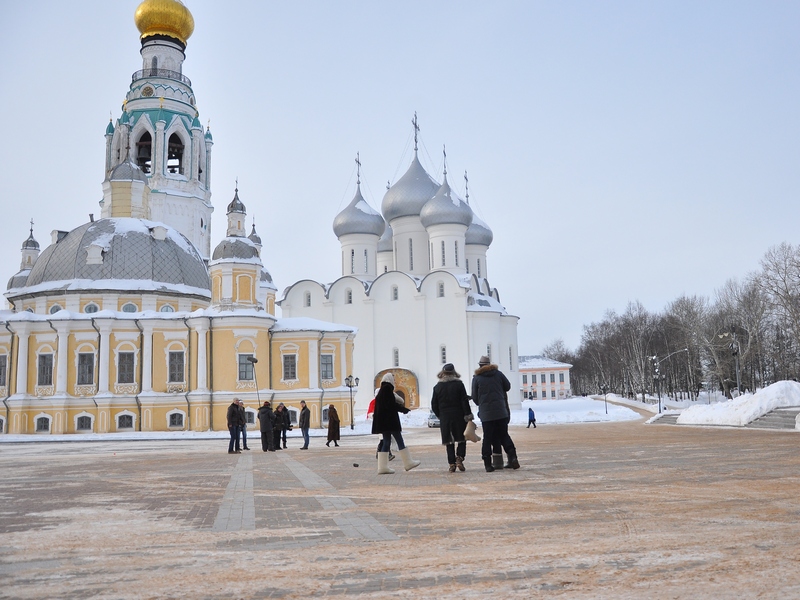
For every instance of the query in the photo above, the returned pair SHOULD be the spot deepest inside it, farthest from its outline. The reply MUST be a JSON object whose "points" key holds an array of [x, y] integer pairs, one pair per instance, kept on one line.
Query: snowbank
{"points": [[744, 409]]}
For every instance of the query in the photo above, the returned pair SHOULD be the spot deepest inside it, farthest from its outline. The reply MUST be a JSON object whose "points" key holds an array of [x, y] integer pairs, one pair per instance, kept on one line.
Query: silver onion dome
{"points": [[478, 233], [102, 253], [236, 205], [254, 237], [445, 208], [410, 193], [358, 217]]}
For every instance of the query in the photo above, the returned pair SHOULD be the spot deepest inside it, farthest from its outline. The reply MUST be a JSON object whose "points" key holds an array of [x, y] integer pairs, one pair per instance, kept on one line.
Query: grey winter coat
{"points": [[489, 387]]}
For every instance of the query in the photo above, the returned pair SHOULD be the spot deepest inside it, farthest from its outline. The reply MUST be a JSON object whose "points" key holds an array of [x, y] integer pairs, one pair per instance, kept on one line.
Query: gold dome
{"points": [[164, 17]]}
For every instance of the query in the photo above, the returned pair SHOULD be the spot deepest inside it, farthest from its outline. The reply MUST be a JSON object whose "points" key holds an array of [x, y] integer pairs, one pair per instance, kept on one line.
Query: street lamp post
{"points": [[658, 377], [351, 383], [253, 360]]}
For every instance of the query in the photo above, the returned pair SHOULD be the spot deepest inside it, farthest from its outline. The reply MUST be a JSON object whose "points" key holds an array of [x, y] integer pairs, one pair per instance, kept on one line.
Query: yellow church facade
{"points": [[130, 323]]}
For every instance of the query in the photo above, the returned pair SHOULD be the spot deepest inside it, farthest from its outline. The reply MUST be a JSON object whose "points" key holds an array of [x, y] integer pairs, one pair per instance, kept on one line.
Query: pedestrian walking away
{"points": [[531, 418], [489, 391], [266, 420], [243, 423], [304, 422], [233, 427], [333, 427], [386, 423], [450, 403], [370, 412]]}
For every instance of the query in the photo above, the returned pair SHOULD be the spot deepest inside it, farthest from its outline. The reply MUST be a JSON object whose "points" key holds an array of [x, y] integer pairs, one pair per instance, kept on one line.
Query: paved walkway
{"points": [[621, 510]]}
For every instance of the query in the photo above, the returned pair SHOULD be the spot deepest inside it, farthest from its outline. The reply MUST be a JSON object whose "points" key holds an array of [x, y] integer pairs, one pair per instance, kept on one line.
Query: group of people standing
{"points": [[274, 425], [450, 403]]}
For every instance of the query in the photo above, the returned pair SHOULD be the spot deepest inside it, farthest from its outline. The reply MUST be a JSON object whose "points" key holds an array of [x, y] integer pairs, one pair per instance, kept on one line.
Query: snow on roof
{"points": [[122, 285], [744, 409], [540, 362], [307, 324]]}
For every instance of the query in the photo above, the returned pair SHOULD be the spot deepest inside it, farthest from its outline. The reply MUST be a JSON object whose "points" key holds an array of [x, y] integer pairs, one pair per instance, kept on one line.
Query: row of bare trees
{"points": [[750, 333]]}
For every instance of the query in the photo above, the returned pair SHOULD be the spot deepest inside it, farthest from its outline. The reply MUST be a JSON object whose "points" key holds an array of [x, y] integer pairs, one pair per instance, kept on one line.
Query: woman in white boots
{"points": [[386, 422]]}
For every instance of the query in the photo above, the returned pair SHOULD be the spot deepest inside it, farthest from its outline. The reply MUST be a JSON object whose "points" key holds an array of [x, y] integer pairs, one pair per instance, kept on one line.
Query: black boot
{"points": [[513, 463], [487, 463]]}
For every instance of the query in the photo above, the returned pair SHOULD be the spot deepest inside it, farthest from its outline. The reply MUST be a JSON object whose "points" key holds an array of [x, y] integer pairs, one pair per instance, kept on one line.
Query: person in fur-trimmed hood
{"points": [[489, 391], [450, 403]]}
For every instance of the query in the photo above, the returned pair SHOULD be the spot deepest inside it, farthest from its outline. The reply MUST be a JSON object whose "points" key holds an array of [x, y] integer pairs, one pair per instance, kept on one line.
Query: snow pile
{"points": [[572, 410], [744, 409]]}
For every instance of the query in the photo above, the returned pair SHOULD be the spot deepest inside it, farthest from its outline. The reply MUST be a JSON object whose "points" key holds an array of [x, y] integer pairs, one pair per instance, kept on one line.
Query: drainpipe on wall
{"points": [[96, 408], [141, 370], [211, 373], [319, 376], [188, 373], [8, 376]]}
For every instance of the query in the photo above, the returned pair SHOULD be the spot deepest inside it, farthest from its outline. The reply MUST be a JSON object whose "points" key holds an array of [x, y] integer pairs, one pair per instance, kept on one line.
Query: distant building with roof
{"points": [[130, 322], [542, 378]]}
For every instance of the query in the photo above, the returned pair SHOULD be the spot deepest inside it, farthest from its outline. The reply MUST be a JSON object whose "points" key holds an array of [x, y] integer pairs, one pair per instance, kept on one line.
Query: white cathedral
{"points": [[415, 282]]}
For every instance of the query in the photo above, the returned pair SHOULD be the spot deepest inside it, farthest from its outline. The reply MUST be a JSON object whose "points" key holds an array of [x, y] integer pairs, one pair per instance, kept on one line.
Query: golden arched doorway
{"points": [[405, 385]]}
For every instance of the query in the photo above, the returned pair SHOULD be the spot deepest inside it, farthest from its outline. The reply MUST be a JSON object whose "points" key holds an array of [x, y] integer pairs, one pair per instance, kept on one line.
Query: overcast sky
{"points": [[618, 150]]}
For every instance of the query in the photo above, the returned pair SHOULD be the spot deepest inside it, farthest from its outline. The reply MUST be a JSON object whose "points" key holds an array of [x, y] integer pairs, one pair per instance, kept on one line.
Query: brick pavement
{"points": [[620, 510]]}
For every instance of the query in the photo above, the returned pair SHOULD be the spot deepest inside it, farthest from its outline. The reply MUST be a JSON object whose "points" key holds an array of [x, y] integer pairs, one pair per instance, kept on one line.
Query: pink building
{"points": [[544, 379]]}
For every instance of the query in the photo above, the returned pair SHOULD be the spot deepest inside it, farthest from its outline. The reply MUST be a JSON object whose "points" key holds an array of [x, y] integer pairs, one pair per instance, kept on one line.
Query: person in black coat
{"points": [[266, 420], [386, 422], [233, 427], [450, 403], [333, 427], [242, 423], [282, 423], [490, 392]]}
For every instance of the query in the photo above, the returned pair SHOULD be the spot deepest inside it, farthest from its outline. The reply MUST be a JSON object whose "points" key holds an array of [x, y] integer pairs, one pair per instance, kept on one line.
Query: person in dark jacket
{"points": [[304, 422], [287, 424], [266, 420], [450, 403], [243, 423], [489, 391], [386, 422], [333, 427], [233, 427], [281, 425]]}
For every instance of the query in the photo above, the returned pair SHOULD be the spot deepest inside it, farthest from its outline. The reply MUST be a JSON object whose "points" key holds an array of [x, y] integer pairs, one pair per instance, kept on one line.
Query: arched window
{"points": [[307, 299], [144, 154], [479, 268], [175, 154], [348, 296], [456, 243], [42, 424], [167, 308], [91, 308], [154, 67], [443, 351], [129, 307], [395, 293], [410, 254], [352, 261], [365, 261], [55, 308], [396, 357], [443, 255], [440, 289]]}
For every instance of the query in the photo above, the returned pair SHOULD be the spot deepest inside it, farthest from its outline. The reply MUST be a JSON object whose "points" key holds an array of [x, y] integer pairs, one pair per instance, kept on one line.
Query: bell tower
{"points": [[159, 130]]}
